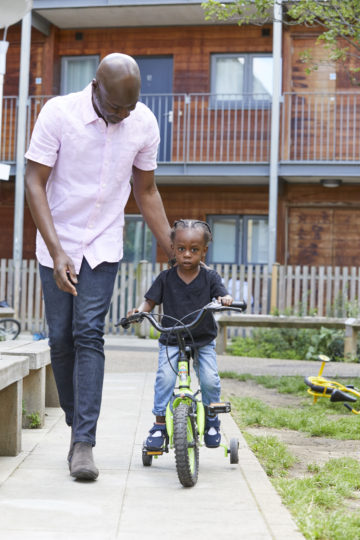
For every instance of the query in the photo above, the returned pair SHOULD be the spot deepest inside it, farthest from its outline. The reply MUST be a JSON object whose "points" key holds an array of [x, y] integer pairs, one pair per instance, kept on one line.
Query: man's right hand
{"points": [[64, 274]]}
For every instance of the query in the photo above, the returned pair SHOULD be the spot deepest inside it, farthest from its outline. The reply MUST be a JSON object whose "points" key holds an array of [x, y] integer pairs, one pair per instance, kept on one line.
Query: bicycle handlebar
{"points": [[211, 307]]}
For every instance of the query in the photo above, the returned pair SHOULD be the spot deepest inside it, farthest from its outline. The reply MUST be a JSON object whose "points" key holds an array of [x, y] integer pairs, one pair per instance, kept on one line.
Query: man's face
{"points": [[115, 104]]}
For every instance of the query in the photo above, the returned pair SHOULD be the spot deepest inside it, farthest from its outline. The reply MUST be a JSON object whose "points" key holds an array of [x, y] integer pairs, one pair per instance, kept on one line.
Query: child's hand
{"points": [[132, 311], [226, 300], [147, 306]]}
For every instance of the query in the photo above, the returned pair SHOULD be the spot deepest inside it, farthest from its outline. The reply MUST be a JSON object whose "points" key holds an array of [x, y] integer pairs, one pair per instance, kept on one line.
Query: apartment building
{"points": [[210, 85]]}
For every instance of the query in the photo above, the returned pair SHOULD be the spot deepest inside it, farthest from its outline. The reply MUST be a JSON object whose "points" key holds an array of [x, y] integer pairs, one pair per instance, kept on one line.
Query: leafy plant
{"points": [[290, 343], [34, 420]]}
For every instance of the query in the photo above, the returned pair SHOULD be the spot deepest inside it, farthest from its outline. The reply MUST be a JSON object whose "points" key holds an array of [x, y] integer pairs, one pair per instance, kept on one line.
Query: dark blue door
{"points": [[156, 93]]}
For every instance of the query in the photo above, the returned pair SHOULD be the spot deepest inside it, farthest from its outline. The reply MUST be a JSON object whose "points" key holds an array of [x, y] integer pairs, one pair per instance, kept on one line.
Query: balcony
{"points": [[201, 134]]}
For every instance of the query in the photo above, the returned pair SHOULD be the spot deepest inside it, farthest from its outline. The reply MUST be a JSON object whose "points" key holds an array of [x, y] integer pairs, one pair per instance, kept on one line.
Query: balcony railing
{"points": [[320, 127], [206, 128]]}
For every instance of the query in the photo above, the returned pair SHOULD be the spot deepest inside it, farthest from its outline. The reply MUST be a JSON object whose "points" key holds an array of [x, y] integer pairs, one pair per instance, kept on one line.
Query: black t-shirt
{"points": [[179, 299]]}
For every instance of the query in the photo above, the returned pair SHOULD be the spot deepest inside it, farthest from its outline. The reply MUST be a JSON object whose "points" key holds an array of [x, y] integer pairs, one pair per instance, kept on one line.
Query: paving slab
{"points": [[39, 499]]}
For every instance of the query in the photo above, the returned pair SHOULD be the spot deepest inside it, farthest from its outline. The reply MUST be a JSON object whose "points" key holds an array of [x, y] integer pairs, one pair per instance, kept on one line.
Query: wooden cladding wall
{"points": [[190, 46], [322, 226]]}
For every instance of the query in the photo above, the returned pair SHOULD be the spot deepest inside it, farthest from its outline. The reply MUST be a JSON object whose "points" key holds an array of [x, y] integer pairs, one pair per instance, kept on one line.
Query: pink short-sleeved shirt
{"points": [[89, 184]]}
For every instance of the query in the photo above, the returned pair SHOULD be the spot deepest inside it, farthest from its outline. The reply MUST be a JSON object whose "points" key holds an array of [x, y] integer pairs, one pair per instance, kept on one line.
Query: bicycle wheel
{"points": [[9, 329], [186, 445]]}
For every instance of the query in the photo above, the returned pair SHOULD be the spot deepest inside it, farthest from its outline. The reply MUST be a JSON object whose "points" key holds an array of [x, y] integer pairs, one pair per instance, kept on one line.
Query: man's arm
{"points": [[151, 206], [36, 177]]}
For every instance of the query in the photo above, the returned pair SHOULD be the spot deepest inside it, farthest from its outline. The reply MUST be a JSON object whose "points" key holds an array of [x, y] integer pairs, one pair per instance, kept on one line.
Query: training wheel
{"points": [[234, 451], [146, 459]]}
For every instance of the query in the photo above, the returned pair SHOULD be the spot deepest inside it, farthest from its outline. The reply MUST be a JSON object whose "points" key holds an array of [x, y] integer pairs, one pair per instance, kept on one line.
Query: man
{"points": [[84, 149]]}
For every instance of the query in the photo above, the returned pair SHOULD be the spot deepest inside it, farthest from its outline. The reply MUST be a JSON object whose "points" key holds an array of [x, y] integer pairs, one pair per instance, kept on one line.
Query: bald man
{"points": [[84, 149]]}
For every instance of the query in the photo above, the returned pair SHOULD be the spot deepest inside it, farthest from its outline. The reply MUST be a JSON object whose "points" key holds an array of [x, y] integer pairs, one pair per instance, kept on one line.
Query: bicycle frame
{"points": [[185, 395], [185, 413]]}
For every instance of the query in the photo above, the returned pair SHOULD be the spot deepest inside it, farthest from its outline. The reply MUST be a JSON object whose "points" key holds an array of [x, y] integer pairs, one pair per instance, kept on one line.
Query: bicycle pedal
{"points": [[218, 408], [153, 452]]}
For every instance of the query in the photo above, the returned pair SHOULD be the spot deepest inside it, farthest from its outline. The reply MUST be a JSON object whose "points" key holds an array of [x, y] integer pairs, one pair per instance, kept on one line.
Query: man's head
{"points": [[116, 87]]}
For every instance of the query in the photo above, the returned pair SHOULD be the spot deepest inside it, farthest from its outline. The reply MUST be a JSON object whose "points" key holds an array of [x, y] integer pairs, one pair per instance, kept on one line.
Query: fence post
{"points": [[350, 341], [140, 330], [274, 287]]}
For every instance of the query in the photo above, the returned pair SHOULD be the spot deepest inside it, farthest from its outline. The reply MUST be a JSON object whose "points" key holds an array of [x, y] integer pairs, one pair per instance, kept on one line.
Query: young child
{"points": [[182, 290]]}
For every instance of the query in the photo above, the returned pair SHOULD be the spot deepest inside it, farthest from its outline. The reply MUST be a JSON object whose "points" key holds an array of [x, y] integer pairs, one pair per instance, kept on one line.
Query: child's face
{"points": [[189, 247]]}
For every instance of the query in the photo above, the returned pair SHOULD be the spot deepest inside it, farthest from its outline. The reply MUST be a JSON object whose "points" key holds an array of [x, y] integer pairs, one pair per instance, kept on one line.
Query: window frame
{"points": [[241, 226], [138, 217], [64, 67], [247, 102]]}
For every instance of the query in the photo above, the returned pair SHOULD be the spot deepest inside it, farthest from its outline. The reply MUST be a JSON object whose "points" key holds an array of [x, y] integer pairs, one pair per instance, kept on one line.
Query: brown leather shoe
{"points": [[82, 466]]}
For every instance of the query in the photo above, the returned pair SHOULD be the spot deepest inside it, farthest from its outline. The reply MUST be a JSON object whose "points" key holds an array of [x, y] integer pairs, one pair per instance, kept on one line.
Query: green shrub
{"points": [[291, 343]]}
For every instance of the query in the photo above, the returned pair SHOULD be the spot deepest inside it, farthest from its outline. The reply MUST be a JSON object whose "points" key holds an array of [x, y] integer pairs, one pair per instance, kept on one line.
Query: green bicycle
{"points": [[185, 413]]}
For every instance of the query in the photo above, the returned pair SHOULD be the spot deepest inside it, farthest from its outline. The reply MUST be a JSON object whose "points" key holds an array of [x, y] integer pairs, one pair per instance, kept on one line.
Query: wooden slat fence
{"points": [[297, 290], [324, 290]]}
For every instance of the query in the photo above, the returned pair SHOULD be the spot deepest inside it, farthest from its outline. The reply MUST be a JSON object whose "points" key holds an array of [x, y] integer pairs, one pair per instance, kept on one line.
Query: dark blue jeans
{"points": [[76, 330]]}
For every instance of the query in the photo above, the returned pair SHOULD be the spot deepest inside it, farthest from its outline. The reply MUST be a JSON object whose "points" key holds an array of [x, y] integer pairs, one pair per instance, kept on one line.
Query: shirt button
{"points": [[91, 225], [98, 205], [104, 184]]}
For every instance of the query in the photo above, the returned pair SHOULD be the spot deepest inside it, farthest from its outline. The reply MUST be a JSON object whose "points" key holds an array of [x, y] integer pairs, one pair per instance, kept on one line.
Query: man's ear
{"points": [[94, 83]]}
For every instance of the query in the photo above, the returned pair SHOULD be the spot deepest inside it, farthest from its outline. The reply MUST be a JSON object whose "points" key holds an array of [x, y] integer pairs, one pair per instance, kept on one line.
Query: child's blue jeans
{"points": [[205, 368]]}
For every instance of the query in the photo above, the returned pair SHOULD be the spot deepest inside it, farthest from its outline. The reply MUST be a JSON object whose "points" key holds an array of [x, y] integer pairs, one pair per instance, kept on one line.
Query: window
{"points": [[139, 243], [241, 79], [238, 239], [77, 72]]}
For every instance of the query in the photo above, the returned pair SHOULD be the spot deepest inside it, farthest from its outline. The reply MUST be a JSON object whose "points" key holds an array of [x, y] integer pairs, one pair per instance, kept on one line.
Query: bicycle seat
{"points": [[339, 395]]}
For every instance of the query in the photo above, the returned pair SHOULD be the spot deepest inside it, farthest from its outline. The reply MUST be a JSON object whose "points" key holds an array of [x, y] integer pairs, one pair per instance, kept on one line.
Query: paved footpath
{"points": [[39, 500]]}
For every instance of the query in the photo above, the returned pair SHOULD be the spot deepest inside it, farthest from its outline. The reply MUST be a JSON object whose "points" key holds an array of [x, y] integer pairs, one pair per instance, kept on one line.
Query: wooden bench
{"points": [[39, 388], [7, 312], [12, 371], [351, 327]]}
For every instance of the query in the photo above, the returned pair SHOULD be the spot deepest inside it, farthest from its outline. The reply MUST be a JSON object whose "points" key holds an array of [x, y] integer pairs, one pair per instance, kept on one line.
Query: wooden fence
{"points": [[298, 290]]}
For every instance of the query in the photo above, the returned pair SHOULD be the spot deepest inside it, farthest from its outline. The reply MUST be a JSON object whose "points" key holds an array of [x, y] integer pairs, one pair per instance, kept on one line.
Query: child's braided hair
{"points": [[192, 224]]}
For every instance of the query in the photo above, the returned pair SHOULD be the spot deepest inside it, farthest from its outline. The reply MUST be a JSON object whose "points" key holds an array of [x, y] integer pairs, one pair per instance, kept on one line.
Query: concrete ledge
{"points": [[36, 394], [12, 371], [38, 352]]}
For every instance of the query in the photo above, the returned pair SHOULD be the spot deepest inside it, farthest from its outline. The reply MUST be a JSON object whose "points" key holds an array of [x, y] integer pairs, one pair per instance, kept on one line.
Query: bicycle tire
{"points": [[322, 386], [186, 445], [9, 329]]}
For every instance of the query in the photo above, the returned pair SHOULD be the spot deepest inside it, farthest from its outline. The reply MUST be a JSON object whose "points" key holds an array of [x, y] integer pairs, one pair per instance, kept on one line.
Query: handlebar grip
{"points": [[242, 305], [124, 322]]}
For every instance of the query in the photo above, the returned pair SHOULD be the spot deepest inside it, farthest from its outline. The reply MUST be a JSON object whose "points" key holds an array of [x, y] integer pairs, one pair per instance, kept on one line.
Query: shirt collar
{"points": [[89, 114]]}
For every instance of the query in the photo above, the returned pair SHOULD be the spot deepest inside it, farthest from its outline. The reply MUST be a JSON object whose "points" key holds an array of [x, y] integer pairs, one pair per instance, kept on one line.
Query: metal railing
{"points": [[194, 127], [208, 128], [320, 127]]}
